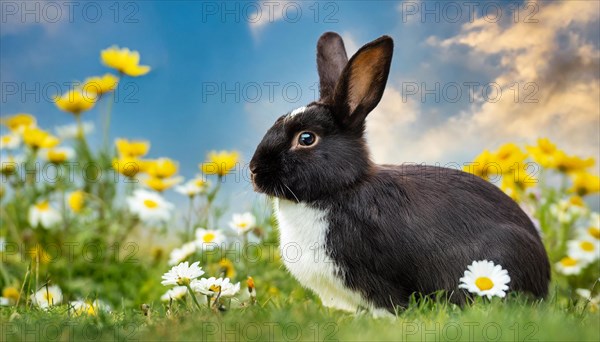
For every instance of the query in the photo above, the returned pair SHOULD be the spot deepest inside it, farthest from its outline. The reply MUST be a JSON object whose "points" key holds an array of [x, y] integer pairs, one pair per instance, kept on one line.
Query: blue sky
{"points": [[189, 47]]}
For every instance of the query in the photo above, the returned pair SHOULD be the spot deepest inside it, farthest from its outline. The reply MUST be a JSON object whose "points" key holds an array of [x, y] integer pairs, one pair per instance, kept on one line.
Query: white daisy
{"points": [[42, 214], [593, 303], [80, 307], [566, 212], [100, 305], [213, 286], [71, 131], [485, 279], [586, 250], [5, 301], [47, 296], [182, 274], [207, 239], [593, 230], [175, 293], [193, 187], [242, 223], [570, 266], [10, 141], [180, 254], [149, 206]]}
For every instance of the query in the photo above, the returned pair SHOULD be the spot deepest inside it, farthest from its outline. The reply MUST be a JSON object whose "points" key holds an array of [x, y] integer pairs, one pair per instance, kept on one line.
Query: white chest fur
{"points": [[303, 232]]}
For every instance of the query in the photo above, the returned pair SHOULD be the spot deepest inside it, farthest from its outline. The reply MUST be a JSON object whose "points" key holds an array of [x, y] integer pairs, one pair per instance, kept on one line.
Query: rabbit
{"points": [[368, 236]]}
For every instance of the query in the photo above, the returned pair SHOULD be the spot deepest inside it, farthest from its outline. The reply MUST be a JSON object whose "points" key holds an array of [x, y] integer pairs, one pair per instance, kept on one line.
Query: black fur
{"points": [[393, 230]]}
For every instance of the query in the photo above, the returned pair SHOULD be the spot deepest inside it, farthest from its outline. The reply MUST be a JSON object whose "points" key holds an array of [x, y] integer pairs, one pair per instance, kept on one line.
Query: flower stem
{"points": [[193, 296], [189, 223], [107, 117]]}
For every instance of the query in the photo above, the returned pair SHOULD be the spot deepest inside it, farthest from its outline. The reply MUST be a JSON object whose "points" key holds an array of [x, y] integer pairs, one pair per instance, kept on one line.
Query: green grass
{"points": [[285, 311]]}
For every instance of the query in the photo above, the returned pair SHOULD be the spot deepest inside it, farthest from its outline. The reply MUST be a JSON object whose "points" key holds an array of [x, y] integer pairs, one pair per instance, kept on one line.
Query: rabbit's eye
{"points": [[306, 138]]}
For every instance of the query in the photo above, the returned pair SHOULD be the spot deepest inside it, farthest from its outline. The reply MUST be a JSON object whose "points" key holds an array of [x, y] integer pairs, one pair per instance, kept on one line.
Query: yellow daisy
{"points": [[585, 183], [37, 138], [132, 148], [483, 165], [76, 201], [162, 184], [544, 153], [101, 84], [59, 155], [507, 156], [570, 164], [124, 60], [129, 167], [18, 122], [76, 101], [220, 163], [162, 168]]}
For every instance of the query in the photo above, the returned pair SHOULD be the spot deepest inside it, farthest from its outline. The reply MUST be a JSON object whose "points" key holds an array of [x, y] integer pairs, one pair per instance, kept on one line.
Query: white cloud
{"points": [[555, 54], [270, 13]]}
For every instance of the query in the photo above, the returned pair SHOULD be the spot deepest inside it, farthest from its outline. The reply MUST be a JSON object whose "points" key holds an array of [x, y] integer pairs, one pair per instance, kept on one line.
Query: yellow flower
{"points": [[19, 122], [483, 166], [76, 101], [585, 183], [508, 157], [101, 84], [128, 166], [162, 168], [544, 153], [577, 200], [162, 184], [38, 138], [60, 154], [570, 164], [124, 60], [220, 163], [133, 148], [38, 253], [8, 167], [226, 268], [11, 293], [76, 201]]}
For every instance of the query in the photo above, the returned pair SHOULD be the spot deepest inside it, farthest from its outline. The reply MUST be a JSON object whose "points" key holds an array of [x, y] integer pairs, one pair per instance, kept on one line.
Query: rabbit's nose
{"points": [[252, 168]]}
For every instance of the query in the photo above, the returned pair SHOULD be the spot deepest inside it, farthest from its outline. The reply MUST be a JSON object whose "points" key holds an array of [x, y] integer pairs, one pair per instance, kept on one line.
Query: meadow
{"points": [[92, 250]]}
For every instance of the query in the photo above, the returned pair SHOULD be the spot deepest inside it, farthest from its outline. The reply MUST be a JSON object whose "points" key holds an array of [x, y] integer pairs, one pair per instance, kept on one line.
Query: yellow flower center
{"points": [[208, 237], [215, 288], [48, 296], [150, 203], [568, 262], [484, 283], [183, 281], [243, 224], [43, 206], [587, 246], [595, 232]]}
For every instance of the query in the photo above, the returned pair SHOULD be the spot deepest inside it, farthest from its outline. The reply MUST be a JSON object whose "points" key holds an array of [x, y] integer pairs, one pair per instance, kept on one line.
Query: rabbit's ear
{"points": [[331, 60], [361, 85]]}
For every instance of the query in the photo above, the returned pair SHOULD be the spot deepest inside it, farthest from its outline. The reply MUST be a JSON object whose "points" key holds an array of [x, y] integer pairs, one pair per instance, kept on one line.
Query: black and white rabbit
{"points": [[366, 235]]}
